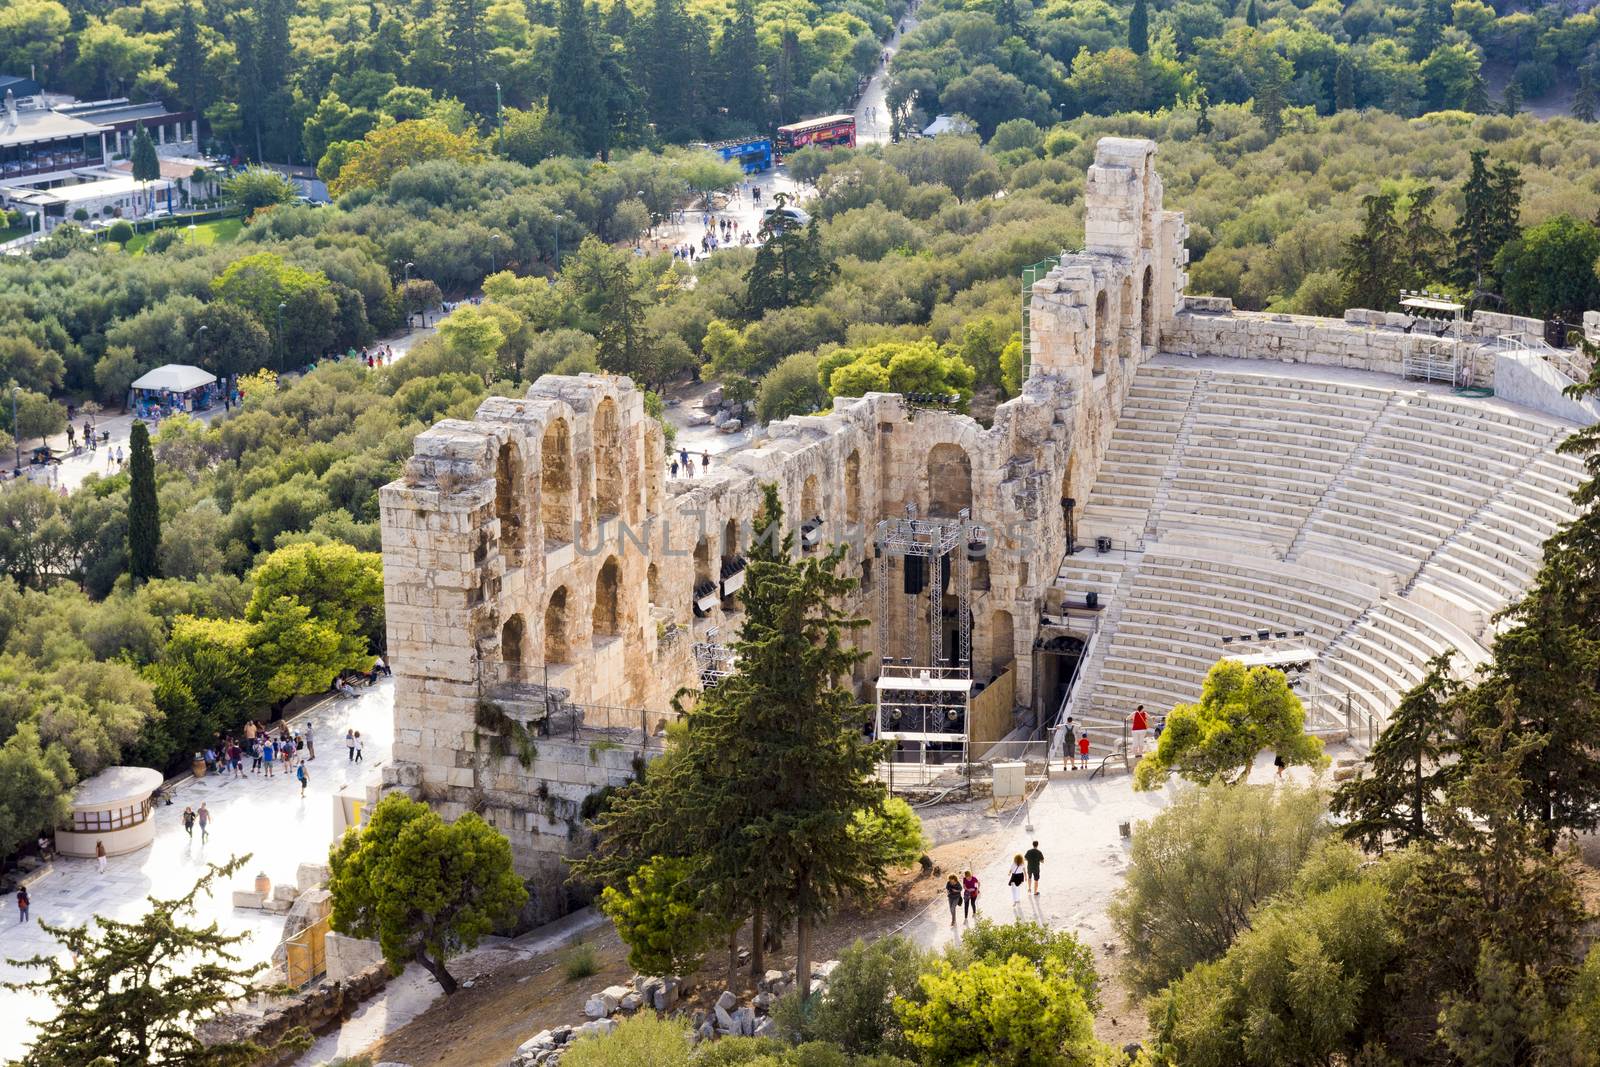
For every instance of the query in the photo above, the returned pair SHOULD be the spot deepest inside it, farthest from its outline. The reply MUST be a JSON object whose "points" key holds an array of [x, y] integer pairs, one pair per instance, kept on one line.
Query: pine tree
{"points": [[737, 60], [1512, 99], [144, 514], [578, 96], [132, 993], [189, 62], [1344, 84], [1491, 205], [1252, 15], [619, 20], [1424, 241], [1375, 259], [1585, 99], [790, 268], [1202, 121], [1477, 100], [1395, 800], [1139, 27], [1269, 100], [665, 70], [466, 42], [1431, 21]]}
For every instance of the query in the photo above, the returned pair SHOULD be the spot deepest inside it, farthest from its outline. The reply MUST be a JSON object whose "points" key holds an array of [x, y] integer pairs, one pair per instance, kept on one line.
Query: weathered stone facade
{"points": [[541, 541]]}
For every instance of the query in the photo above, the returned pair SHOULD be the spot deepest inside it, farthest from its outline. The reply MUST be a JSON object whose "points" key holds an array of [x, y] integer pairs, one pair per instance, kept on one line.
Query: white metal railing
{"points": [[1572, 364]]}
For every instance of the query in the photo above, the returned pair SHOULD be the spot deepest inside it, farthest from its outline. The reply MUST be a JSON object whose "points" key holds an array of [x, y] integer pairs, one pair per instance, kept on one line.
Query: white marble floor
{"points": [[266, 818]]}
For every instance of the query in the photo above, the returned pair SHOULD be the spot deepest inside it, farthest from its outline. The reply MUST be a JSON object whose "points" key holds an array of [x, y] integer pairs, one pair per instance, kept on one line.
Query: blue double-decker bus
{"points": [[752, 154]]}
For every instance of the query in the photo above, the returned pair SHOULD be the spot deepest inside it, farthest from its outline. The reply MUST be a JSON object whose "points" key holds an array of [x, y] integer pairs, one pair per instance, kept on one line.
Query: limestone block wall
{"points": [[541, 541]]}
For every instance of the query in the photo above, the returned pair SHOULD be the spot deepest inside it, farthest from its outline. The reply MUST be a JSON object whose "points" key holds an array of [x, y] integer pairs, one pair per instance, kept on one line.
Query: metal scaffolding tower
{"points": [[930, 542]]}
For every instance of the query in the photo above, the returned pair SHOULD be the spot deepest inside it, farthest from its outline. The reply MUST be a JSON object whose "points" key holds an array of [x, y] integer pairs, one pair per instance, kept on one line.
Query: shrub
{"points": [[992, 942], [1200, 868], [856, 1013], [120, 232], [580, 962], [642, 1041]]}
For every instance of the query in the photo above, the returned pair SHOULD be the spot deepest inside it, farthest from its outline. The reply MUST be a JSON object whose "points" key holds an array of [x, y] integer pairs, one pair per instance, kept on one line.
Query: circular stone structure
{"points": [[113, 807]]}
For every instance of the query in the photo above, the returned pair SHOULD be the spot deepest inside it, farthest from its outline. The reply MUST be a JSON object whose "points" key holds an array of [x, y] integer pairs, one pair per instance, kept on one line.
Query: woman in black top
{"points": [[952, 889]]}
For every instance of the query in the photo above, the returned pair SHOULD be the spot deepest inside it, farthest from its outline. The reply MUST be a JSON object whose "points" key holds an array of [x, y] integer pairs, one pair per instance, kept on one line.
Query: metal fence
{"points": [[306, 954]]}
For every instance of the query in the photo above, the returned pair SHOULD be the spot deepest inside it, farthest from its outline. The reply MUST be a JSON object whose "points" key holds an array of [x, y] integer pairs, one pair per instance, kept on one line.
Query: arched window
{"points": [[1130, 323], [1002, 642], [1147, 310], [810, 499], [653, 583], [608, 460], [512, 636], [949, 481], [1102, 333], [852, 488], [555, 484], [508, 503], [557, 642], [607, 595]]}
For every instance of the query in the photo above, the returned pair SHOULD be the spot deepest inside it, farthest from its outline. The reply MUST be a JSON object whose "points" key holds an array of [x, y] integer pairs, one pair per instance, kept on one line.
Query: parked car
{"points": [[782, 218]]}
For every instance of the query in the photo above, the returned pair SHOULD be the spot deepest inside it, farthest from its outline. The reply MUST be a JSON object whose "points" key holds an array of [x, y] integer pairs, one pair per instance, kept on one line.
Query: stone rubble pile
{"points": [[727, 1017]]}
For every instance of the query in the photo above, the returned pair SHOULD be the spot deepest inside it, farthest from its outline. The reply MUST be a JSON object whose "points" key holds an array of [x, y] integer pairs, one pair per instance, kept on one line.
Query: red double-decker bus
{"points": [[826, 132]]}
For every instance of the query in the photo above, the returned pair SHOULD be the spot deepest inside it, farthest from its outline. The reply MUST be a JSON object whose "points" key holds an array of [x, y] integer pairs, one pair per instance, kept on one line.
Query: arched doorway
{"points": [[608, 460], [1002, 642], [852, 488], [555, 484], [513, 635], [557, 639], [607, 601], [1130, 324], [949, 480]]}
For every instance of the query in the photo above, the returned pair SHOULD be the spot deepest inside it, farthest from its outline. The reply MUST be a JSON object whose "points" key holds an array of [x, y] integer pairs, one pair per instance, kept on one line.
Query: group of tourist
{"points": [[1023, 877], [287, 753], [685, 462], [1075, 738]]}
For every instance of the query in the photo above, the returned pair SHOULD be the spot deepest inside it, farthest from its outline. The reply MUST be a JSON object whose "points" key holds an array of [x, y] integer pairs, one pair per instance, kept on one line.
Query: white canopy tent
{"points": [[175, 378]]}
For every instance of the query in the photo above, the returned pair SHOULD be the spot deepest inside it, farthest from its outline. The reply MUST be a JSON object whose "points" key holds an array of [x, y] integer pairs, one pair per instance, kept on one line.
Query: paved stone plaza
{"points": [[266, 818]]}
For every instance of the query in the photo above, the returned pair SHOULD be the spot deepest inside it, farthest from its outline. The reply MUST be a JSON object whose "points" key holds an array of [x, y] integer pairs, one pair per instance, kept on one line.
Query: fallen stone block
{"points": [[247, 898], [727, 1001]]}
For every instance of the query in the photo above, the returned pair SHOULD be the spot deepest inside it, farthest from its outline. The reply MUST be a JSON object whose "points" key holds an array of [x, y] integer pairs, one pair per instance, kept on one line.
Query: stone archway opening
{"points": [[1147, 310], [1102, 333], [607, 616], [513, 636], [557, 639], [1002, 642], [852, 488], [608, 460], [555, 484], [508, 503], [949, 480], [1129, 328]]}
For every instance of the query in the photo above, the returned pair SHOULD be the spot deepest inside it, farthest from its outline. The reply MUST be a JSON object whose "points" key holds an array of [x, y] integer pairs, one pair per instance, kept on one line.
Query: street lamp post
{"points": [[408, 267], [281, 308], [16, 431], [499, 120], [494, 237]]}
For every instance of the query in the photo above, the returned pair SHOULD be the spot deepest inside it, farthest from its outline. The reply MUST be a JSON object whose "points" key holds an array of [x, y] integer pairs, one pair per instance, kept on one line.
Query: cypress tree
{"points": [[1584, 100], [1139, 27], [577, 96], [1374, 263], [189, 62], [466, 42], [1252, 15], [1512, 101], [1202, 122], [146, 165], [1477, 100], [1344, 84], [144, 516], [1269, 102], [1491, 206]]}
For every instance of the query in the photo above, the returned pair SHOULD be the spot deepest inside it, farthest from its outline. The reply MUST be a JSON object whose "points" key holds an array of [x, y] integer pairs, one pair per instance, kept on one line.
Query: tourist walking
{"points": [[1035, 860], [705, 462], [1069, 746], [311, 744], [359, 746], [969, 895], [1141, 729], [1015, 878], [22, 903], [350, 744], [952, 892], [269, 749], [300, 773], [188, 821], [100, 855], [203, 817], [1277, 761], [1083, 750]]}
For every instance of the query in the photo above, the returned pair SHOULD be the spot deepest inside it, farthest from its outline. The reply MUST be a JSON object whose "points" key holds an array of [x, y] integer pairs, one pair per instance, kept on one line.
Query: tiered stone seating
{"points": [[1261, 452], [1430, 465], [1138, 451], [1179, 607], [1490, 561]]}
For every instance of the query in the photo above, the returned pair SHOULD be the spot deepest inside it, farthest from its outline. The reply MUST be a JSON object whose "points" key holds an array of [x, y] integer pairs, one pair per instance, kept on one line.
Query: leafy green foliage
{"points": [[856, 1013], [257, 187], [34, 780], [1549, 270], [423, 888], [995, 942], [1199, 869], [640, 1041], [897, 367], [1009, 1014], [660, 918], [1241, 711], [133, 992]]}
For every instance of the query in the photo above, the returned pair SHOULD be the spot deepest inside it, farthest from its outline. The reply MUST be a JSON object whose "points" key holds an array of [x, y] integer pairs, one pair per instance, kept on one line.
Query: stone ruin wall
{"points": [[512, 543]]}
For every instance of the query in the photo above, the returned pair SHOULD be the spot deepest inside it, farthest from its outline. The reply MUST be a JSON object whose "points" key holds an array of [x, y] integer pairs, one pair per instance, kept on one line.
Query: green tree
{"points": [[144, 512], [134, 992], [897, 367], [1549, 270], [790, 268], [856, 1012], [660, 918], [261, 281], [466, 41], [425, 889], [1585, 99], [1429, 31], [1269, 99], [36, 416], [189, 62], [1396, 799], [993, 942], [229, 340], [1242, 711], [607, 289], [1344, 84], [1491, 204], [34, 782], [1511, 99], [1374, 263], [257, 187], [1199, 869], [574, 97], [790, 388], [146, 166], [337, 584], [641, 1041], [1006, 1014], [1139, 27], [1252, 15]]}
